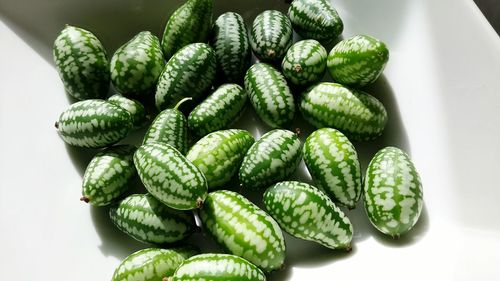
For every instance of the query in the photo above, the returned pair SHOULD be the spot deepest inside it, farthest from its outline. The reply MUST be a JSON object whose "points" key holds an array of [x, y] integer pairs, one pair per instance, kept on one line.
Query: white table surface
{"points": [[441, 88]]}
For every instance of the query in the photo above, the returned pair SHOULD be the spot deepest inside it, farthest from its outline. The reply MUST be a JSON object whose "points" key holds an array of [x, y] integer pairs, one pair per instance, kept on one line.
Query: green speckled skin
{"points": [[170, 127], [108, 175], [144, 218], [305, 212], [152, 264], [170, 177], [357, 114], [243, 229], [190, 23], [136, 66], [305, 62], [272, 158], [357, 61], [315, 19], [333, 164], [393, 196], [135, 108], [94, 124], [218, 155]]}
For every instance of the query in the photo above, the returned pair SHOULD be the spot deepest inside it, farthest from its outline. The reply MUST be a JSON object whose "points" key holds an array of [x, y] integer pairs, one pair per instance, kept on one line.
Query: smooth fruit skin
{"points": [[219, 110], [305, 62], [137, 65], [144, 218], [315, 19], [305, 212], [93, 124], [190, 23], [393, 195], [152, 264], [189, 73], [357, 61], [217, 267], [230, 42], [218, 155], [358, 115], [243, 229], [272, 158], [135, 108], [108, 175], [170, 177], [271, 36], [270, 95], [82, 63], [169, 127], [333, 163]]}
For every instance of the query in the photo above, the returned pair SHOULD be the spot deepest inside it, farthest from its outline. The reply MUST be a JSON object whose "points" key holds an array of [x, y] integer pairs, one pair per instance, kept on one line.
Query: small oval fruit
{"points": [[222, 108], [243, 229], [147, 220], [152, 264], [315, 19], [272, 158], [108, 175], [218, 155], [93, 124], [333, 164], [135, 108], [218, 267], [170, 127], [189, 73], [270, 96], [305, 62], [230, 42], [357, 61], [137, 65], [190, 23], [393, 195], [357, 114], [170, 177], [82, 63], [305, 212], [271, 36]]}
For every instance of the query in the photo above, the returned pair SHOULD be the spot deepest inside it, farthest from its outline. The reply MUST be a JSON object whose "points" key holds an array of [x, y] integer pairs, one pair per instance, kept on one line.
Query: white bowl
{"points": [[441, 89]]}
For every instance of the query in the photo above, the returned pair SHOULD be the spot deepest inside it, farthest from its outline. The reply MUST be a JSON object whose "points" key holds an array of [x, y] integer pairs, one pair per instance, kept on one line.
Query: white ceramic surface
{"points": [[441, 88]]}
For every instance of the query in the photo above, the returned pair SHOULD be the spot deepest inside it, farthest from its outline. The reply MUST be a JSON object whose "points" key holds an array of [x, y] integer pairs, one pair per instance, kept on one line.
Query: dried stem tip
{"points": [[85, 199]]}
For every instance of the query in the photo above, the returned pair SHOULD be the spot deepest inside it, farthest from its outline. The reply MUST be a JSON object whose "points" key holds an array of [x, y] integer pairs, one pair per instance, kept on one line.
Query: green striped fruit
{"points": [[272, 158], [189, 73], [230, 42], [315, 19], [357, 61], [82, 63], [170, 177], [305, 62], [190, 23], [221, 109], [333, 164], [135, 108], [393, 196], [152, 264], [144, 218], [357, 114], [217, 267], [93, 124], [243, 229], [271, 36], [108, 175], [170, 127], [218, 155], [136, 66], [270, 96], [305, 212]]}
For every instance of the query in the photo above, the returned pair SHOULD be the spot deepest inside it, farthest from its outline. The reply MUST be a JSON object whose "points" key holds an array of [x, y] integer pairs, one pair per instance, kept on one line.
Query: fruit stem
{"points": [[176, 107], [271, 53], [297, 131], [199, 203], [85, 199], [297, 68], [56, 125]]}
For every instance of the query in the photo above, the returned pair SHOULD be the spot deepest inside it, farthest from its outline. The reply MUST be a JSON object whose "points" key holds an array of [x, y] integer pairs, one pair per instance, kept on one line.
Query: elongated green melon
{"points": [[271, 35]]}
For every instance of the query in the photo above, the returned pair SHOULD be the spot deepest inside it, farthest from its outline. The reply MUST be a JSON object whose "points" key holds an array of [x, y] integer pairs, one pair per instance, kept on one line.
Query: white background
{"points": [[441, 88]]}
